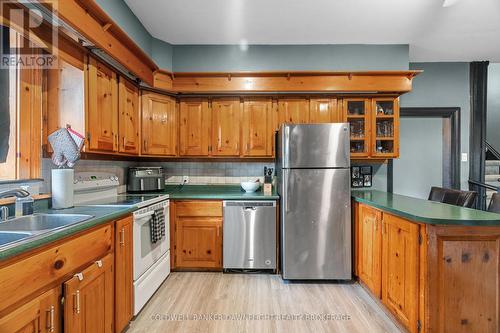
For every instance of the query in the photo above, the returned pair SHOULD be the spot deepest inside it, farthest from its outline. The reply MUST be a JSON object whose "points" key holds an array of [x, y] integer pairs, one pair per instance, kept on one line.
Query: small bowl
{"points": [[250, 187]]}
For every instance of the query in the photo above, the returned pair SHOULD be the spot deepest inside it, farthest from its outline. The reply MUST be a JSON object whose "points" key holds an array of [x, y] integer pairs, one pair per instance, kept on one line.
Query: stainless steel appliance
{"points": [[249, 235], [313, 172], [145, 179]]}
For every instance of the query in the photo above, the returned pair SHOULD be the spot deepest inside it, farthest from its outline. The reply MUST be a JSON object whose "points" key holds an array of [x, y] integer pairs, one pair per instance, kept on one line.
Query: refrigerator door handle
{"points": [[286, 146], [285, 191]]}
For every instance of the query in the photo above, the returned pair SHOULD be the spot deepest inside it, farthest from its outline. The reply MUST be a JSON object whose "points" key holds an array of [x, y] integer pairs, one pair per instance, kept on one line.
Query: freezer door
{"points": [[316, 224], [314, 146]]}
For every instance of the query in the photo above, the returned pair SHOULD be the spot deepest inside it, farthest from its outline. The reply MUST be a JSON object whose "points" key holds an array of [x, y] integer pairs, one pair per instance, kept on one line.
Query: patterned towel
{"points": [[157, 225]]}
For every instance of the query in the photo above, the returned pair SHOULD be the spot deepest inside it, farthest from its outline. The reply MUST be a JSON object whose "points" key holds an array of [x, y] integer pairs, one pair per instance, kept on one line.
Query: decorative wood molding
{"points": [[397, 82]]}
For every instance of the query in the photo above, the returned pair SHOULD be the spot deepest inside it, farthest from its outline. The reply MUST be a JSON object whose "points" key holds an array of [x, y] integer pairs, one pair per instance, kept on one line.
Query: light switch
{"points": [[464, 157]]}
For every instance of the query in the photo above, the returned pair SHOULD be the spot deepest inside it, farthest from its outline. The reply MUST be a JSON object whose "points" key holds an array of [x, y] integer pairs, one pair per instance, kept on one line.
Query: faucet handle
{"points": [[4, 213]]}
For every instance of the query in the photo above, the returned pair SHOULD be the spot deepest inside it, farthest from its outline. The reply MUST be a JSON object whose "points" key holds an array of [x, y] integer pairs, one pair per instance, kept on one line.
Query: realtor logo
{"points": [[29, 34]]}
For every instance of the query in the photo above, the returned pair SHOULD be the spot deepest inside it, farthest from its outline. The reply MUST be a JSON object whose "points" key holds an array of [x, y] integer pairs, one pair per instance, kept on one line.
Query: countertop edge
{"points": [[63, 233], [426, 220]]}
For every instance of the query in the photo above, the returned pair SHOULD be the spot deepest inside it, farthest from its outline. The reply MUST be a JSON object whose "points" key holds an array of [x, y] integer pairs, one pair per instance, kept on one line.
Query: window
{"points": [[20, 114]]}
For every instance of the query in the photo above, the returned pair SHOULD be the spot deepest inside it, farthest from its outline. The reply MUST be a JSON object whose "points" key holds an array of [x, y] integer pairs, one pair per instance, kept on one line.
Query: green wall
{"points": [[194, 58]]}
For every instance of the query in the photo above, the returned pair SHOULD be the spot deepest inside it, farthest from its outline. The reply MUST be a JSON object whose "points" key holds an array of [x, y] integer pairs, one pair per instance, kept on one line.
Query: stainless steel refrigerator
{"points": [[313, 173]]}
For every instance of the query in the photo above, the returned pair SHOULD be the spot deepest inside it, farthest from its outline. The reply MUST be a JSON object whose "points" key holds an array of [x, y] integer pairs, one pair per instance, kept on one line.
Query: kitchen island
{"points": [[422, 259]]}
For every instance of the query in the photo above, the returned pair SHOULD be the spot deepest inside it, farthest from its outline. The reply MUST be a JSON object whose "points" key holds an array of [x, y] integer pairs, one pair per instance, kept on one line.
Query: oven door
{"points": [[145, 252]]}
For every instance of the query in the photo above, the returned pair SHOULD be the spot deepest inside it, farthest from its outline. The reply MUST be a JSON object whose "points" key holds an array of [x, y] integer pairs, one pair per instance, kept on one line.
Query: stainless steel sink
{"points": [[42, 222], [9, 236]]}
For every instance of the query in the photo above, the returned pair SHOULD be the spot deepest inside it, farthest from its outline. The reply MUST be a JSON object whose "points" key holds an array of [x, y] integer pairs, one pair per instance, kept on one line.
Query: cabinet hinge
{"points": [[88, 136], [419, 326], [62, 300]]}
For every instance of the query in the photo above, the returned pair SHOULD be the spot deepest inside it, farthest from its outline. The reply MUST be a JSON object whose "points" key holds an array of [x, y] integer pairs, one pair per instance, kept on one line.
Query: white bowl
{"points": [[250, 187]]}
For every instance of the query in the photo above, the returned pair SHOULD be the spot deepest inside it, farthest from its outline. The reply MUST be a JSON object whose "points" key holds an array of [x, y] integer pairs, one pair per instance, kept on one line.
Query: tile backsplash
{"points": [[198, 172]]}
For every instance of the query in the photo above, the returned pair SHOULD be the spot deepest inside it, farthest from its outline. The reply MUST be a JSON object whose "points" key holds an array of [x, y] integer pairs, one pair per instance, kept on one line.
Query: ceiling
{"points": [[461, 30]]}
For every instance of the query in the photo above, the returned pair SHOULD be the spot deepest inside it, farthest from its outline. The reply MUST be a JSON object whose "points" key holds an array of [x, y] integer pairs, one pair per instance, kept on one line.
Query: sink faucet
{"points": [[17, 192]]}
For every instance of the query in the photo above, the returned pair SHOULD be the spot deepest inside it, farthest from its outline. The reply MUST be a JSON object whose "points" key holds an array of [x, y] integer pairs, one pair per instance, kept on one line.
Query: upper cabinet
{"points": [[258, 126], [159, 125], [325, 110], [194, 127], [102, 107], [374, 125], [385, 124], [128, 122], [293, 110], [226, 122]]}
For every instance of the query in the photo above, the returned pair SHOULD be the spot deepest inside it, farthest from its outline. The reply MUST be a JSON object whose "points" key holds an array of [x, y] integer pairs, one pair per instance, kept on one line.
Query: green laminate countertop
{"points": [[424, 211], [223, 192], [100, 215]]}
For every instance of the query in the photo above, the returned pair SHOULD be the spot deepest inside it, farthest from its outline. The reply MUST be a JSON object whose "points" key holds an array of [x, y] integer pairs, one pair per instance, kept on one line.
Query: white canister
{"points": [[62, 188]]}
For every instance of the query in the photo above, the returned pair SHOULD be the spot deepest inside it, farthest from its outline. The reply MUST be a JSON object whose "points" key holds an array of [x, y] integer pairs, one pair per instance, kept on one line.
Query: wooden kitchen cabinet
{"points": [[88, 305], [128, 121], [226, 125], [39, 315], [385, 127], [358, 115], [123, 273], [194, 127], [258, 127], [102, 107], [400, 269], [198, 234], [159, 125], [369, 250], [325, 110], [293, 110]]}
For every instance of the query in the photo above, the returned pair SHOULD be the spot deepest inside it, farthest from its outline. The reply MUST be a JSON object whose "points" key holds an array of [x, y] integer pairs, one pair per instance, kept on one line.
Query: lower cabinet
{"points": [[41, 314], [370, 248], [400, 269], [124, 278], [198, 234], [88, 305], [388, 262]]}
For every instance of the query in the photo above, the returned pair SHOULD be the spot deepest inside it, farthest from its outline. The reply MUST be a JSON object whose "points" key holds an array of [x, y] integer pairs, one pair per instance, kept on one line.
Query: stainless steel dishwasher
{"points": [[249, 235]]}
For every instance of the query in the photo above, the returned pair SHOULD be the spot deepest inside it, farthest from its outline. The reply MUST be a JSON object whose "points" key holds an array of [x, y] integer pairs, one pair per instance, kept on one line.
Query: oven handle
{"points": [[143, 215]]}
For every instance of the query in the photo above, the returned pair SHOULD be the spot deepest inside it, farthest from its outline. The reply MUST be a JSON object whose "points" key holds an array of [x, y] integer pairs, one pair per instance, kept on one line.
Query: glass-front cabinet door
{"points": [[357, 111], [385, 127]]}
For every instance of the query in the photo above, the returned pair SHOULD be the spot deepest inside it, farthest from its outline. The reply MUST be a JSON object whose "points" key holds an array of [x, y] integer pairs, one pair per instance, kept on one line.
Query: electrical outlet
{"points": [[464, 157], [185, 179]]}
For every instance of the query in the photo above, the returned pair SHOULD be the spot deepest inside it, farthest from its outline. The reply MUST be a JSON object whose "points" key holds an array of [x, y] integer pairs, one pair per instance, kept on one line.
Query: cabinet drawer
{"points": [[24, 277], [199, 208]]}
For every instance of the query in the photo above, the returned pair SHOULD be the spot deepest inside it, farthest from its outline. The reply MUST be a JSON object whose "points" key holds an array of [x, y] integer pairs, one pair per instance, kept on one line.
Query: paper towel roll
{"points": [[62, 188]]}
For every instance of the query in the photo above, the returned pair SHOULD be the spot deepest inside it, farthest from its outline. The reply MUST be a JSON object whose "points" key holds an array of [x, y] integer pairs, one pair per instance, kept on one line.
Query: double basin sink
{"points": [[27, 227]]}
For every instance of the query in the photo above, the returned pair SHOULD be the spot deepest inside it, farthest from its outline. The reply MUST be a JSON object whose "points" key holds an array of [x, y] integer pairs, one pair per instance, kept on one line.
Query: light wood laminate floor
{"points": [[214, 295]]}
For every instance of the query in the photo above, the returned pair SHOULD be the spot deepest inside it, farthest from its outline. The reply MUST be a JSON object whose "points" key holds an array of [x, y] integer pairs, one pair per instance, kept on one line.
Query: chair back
{"points": [[494, 205]]}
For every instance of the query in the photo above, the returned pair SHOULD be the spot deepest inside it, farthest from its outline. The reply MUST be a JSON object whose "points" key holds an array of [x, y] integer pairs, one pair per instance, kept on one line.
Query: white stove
{"points": [[151, 260]]}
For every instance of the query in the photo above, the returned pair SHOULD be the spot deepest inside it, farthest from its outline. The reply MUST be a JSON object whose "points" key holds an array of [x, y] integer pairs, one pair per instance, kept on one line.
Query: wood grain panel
{"points": [[226, 124], [194, 127], [323, 110], [24, 277], [370, 248], [293, 110], [124, 278], [257, 127], [400, 272], [129, 120], [202, 208]]}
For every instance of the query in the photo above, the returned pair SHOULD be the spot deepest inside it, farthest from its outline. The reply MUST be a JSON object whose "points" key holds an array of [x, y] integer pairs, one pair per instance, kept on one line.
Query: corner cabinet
{"points": [[159, 125], [128, 121], [198, 234], [40, 315], [374, 125], [102, 107]]}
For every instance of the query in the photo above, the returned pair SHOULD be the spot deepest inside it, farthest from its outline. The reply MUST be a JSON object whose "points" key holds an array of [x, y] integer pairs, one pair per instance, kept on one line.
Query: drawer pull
{"points": [[79, 276], [99, 263], [50, 321], [76, 302], [122, 237]]}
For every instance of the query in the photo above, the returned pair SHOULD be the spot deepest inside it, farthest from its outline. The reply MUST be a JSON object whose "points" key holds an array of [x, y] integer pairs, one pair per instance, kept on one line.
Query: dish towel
{"points": [[157, 225]]}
